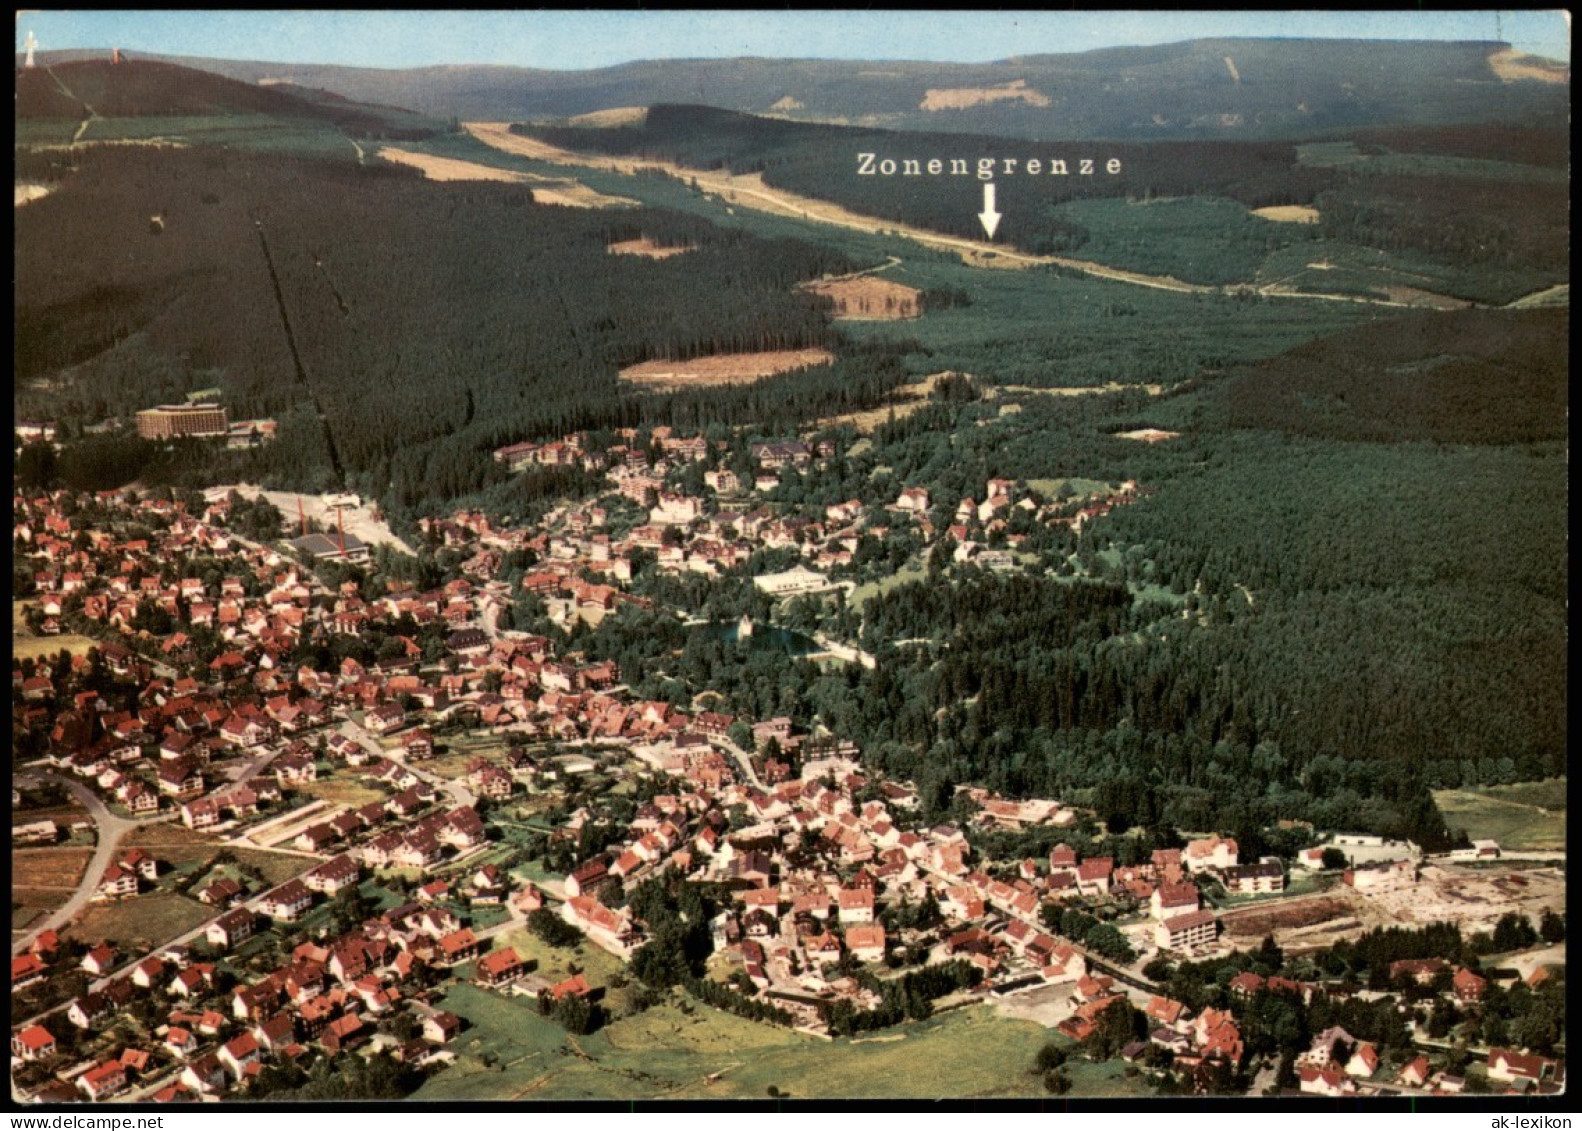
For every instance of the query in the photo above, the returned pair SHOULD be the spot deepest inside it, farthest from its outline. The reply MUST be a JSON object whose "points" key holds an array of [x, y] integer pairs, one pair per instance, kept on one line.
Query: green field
{"points": [[684, 1050], [911, 571], [506, 1047], [185, 850], [1168, 237], [1530, 815], [554, 963]]}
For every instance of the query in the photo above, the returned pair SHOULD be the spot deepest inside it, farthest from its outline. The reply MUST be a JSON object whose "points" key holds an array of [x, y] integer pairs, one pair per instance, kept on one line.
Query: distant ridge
{"points": [[1276, 88], [143, 88]]}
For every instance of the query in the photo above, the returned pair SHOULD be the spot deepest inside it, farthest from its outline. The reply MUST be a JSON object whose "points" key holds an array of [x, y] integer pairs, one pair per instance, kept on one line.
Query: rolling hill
{"points": [[1224, 88], [144, 88]]}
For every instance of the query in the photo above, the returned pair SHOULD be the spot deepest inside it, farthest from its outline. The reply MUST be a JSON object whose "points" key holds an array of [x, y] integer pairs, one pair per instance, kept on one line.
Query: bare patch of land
{"points": [[1413, 296], [1472, 898], [1557, 295], [1290, 914], [1076, 390], [1289, 213], [722, 369], [962, 98], [647, 248], [1147, 435], [43, 880], [360, 520], [614, 116], [26, 194], [866, 298], [49, 868]]}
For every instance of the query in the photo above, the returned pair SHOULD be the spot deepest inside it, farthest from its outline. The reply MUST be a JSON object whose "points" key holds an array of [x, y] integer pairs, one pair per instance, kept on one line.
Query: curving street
{"points": [[111, 829]]}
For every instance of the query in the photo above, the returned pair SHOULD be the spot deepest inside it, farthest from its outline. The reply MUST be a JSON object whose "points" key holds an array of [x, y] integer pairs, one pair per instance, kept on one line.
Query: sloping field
{"points": [[1514, 66], [1527, 816], [962, 98], [722, 369], [611, 118], [685, 1050], [1289, 213], [546, 190]]}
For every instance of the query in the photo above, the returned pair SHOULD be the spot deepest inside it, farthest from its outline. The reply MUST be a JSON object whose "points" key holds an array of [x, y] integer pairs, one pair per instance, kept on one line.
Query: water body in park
{"points": [[764, 636]]}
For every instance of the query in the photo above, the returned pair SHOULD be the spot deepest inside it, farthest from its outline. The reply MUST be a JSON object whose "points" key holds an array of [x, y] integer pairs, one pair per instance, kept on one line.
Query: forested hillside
{"points": [[1278, 88], [1478, 377], [1286, 626], [145, 89]]}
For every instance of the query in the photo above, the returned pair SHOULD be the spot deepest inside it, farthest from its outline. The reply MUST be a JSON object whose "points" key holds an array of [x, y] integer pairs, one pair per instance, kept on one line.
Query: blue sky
{"points": [[572, 40]]}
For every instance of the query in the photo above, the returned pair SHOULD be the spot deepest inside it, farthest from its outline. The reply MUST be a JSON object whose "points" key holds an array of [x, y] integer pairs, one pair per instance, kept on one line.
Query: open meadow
{"points": [[1529, 815], [684, 1050]]}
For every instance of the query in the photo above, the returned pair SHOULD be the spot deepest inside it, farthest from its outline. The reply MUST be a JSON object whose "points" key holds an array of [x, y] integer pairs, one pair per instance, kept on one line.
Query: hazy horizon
{"points": [[579, 40]]}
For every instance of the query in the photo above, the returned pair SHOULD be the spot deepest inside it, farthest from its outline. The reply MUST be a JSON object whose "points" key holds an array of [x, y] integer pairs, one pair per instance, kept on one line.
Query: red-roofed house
{"points": [[500, 966], [103, 1080], [33, 1043]]}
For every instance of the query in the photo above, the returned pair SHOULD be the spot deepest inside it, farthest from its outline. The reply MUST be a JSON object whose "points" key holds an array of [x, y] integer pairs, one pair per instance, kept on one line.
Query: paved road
{"points": [[742, 759], [111, 830]]}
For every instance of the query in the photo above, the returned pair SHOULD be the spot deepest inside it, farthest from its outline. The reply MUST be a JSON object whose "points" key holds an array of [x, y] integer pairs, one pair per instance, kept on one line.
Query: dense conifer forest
{"points": [[1515, 218], [400, 329]]}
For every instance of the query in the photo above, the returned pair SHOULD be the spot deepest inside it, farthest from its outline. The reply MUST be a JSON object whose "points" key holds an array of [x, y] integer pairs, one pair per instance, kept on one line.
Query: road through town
{"points": [[111, 830]]}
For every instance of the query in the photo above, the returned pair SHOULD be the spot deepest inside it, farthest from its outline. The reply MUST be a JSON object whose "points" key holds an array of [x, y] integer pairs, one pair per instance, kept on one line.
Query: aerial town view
{"points": [[677, 557]]}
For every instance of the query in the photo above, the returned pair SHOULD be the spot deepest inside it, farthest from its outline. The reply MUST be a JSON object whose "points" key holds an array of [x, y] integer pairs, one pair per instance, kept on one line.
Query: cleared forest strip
{"points": [[749, 191], [546, 190], [722, 369]]}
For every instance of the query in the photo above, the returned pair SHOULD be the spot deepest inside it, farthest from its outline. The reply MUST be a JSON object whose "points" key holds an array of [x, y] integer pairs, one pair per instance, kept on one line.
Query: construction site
{"points": [[1472, 897]]}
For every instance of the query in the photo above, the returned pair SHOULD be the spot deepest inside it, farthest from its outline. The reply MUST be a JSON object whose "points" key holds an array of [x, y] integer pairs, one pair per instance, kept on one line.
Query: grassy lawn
{"points": [[911, 571], [1529, 816], [685, 1050], [1550, 794], [186, 851], [555, 963], [143, 922], [506, 1048], [1106, 1079]]}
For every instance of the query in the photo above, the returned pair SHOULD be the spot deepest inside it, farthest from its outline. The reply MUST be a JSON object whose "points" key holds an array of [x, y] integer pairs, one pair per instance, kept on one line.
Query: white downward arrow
{"points": [[990, 218]]}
